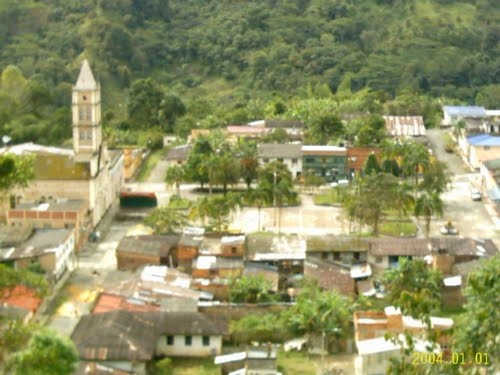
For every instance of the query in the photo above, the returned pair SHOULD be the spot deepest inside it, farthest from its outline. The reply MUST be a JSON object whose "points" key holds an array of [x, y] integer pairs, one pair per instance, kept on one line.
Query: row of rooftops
{"points": [[261, 247]]}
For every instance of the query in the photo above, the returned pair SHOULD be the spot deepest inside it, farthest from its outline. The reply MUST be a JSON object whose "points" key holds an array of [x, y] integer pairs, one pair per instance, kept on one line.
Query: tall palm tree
{"points": [[259, 197], [216, 208], [403, 199], [415, 159], [166, 220], [174, 176], [428, 205], [283, 192]]}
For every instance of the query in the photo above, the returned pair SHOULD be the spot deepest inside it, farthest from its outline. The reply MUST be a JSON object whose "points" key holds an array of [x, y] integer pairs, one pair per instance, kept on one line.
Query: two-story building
{"points": [[329, 162], [289, 154], [53, 213], [52, 249]]}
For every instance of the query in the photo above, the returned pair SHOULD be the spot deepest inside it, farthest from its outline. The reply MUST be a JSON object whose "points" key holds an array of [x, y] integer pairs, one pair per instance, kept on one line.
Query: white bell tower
{"points": [[86, 109]]}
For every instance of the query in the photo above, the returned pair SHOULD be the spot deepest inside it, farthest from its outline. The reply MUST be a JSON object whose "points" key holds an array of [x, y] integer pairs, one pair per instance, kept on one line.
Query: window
{"points": [[170, 340], [280, 160], [294, 161], [378, 259], [206, 340], [309, 160], [486, 147], [234, 249], [89, 134], [81, 135], [265, 160], [80, 114], [188, 340], [88, 114]]}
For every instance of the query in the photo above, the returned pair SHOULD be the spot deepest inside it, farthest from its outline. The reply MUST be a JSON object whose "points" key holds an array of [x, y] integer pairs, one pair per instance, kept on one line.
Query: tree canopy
{"points": [[180, 64], [414, 288], [47, 353], [478, 329], [15, 172]]}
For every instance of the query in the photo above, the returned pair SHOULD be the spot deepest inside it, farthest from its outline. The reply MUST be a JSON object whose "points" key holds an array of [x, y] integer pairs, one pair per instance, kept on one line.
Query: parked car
{"points": [[448, 229], [476, 195]]}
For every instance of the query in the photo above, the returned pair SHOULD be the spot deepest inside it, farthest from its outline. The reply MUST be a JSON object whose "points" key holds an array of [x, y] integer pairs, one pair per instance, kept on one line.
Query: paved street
{"points": [[472, 219], [91, 267]]}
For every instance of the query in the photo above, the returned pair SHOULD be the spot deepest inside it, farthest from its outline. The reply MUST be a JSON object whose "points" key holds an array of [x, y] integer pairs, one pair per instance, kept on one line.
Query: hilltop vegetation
{"points": [[233, 61]]}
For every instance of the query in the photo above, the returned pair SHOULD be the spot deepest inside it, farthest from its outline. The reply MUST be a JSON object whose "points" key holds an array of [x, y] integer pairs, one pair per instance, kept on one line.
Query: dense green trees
{"points": [[414, 288], [217, 209], [166, 220], [10, 277], [478, 329], [322, 313], [15, 172], [251, 289], [245, 61], [47, 353]]}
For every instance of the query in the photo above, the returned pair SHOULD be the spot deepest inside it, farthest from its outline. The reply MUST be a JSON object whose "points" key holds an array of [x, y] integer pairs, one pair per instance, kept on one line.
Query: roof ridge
{"points": [[86, 79]]}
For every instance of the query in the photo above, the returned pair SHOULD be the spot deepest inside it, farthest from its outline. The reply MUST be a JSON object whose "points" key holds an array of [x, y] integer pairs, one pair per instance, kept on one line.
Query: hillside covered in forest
{"points": [[225, 61]]}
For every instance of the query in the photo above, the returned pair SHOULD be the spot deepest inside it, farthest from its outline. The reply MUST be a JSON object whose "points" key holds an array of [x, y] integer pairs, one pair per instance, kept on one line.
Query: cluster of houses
{"points": [[333, 163], [169, 294], [170, 298]]}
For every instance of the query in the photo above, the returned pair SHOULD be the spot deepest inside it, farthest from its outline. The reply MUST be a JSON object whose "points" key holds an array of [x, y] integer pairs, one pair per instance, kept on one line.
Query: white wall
{"points": [[374, 364], [292, 167], [63, 254], [196, 349]]}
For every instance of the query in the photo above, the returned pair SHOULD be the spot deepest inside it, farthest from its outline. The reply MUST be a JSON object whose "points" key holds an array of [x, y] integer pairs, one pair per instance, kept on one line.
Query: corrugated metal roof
{"points": [[464, 111], [408, 126], [484, 140]]}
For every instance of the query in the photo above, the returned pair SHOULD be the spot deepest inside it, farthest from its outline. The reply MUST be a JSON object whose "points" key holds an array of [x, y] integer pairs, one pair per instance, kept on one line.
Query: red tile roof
{"points": [[22, 297], [112, 302]]}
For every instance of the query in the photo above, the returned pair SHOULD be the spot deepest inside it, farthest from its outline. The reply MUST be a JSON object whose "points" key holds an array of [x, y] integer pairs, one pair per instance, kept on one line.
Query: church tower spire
{"points": [[86, 110]]}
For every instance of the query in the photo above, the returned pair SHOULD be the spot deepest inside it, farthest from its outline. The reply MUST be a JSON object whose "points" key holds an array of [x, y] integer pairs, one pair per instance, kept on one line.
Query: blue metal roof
{"points": [[483, 140], [465, 111]]}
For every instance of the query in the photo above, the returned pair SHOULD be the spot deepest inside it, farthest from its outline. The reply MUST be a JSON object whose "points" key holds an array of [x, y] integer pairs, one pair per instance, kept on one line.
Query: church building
{"points": [[89, 172]]}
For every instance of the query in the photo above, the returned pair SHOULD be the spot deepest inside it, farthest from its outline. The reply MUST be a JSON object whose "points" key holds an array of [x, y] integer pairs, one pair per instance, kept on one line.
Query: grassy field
{"points": [[398, 228], [179, 203], [330, 198]]}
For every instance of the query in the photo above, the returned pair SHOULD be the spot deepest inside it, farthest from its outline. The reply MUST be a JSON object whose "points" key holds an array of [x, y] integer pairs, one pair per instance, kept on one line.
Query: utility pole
{"points": [[274, 196]]}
